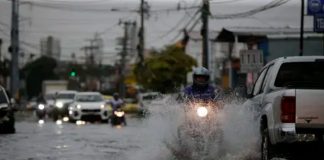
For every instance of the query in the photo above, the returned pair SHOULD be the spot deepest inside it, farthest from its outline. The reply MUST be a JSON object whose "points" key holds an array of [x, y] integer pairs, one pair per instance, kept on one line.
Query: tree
{"points": [[36, 72], [166, 70]]}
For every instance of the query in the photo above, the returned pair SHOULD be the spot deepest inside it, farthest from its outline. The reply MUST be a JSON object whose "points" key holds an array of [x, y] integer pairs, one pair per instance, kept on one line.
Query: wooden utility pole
{"points": [[122, 86], [301, 39], [14, 78], [141, 46], [205, 11]]}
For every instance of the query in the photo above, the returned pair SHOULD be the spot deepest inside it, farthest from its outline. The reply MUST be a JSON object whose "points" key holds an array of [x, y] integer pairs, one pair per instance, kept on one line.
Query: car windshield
{"points": [[3, 98], [65, 96], [89, 98], [301, 75]]}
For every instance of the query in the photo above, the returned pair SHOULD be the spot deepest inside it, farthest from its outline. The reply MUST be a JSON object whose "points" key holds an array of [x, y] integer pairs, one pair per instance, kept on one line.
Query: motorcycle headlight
{"points": [[59, 104], [79, 106], [41, 106], [119, 113], [202, 111]]}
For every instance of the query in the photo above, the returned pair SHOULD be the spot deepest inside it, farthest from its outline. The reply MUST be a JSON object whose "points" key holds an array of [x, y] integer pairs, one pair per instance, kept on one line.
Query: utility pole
{"points": [[323, 42], [301, 39], [14, 80], [205, 11], [0, 50], [141, 45], [122, 87]]}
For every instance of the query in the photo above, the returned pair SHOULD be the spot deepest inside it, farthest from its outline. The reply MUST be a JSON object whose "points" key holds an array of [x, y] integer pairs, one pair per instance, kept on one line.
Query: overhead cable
{"points": [[272, 4]]}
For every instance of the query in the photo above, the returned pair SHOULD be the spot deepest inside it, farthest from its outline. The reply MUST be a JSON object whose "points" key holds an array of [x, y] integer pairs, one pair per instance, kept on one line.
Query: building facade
{"points": [[51, 47]]}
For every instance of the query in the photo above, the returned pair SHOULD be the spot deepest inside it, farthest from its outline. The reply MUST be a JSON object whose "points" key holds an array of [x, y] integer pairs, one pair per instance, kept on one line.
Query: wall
{"points": [[290, 47]]}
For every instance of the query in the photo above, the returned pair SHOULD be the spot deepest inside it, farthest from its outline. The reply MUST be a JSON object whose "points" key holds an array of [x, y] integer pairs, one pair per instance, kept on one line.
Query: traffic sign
{"points": [[319, 23], [315, 7]]}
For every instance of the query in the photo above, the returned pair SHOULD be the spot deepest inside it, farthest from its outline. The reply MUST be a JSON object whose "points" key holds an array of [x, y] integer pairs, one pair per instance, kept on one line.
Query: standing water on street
{"points": [[239, 138]]}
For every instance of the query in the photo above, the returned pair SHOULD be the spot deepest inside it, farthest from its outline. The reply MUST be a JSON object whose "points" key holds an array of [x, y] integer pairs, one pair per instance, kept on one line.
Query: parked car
{"points": [[289, 95], [89, 106], [7, 119]]}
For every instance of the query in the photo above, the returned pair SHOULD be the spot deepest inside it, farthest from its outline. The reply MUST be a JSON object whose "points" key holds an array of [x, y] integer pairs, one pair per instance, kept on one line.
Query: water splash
{"points": [[239, 133]]}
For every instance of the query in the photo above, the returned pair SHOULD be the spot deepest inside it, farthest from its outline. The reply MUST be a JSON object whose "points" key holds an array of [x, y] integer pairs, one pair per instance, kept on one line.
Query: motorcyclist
{"points": [[116, 103], [40, 99], [201, 89]]}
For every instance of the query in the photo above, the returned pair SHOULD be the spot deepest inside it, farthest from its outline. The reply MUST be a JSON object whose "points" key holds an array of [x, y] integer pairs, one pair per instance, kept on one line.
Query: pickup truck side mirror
{"points": [[249, 91]]}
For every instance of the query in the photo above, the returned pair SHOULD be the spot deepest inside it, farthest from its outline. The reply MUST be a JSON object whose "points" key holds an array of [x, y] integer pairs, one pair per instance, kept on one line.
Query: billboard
{"points": [[319, 23]]}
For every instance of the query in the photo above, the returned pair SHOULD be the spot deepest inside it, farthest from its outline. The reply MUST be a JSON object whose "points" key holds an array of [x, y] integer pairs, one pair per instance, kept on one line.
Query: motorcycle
{"points": [[118, 117], [201, 130], [41, 111]]}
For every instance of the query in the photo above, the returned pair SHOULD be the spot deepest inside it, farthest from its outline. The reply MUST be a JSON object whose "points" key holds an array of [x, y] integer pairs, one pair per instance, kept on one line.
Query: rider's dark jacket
{"points": [[200, 93]]}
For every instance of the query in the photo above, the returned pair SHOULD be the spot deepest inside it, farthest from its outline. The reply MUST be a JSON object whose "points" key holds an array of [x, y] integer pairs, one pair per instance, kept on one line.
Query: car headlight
{"points": [[59, 104], [102, 106], [41, 106], [119, 113], [202, 111], [79, 106]]}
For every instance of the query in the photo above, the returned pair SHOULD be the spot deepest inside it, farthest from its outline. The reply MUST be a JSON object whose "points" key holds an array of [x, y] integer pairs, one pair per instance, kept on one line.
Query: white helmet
{"points": [[201, 76]]}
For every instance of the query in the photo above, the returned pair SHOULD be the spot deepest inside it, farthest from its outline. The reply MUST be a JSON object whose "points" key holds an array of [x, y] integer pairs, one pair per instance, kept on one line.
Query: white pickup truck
{"points": [[289, 95]]}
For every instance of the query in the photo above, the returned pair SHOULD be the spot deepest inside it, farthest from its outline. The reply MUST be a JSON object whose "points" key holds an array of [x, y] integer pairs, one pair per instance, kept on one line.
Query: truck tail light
{"points": [[288, 109]]}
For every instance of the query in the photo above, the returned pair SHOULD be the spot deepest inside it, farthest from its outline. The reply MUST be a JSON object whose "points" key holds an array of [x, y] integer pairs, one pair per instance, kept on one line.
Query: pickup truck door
{"points": [[257, 91]]}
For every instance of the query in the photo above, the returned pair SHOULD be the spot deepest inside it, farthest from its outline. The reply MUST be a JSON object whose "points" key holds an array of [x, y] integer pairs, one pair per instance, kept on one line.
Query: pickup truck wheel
{"points": [[266, 147]]}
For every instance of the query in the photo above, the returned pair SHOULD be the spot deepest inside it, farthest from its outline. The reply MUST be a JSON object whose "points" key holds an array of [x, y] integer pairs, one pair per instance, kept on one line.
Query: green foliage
{"points": [[166, 70], [36, 72]]}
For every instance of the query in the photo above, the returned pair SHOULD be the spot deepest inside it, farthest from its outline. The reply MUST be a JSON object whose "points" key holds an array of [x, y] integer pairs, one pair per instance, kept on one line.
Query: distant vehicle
{"points": [[289, 94], [53, 86], [41, 111], [50, 99], [32, 104], [147, 99], [89, 106], [49, 90], [7, 120], [63, 99]]}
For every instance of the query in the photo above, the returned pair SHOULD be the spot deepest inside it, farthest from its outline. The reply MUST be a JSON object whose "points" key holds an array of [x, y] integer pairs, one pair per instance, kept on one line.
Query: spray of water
{"points": [[238, 141]]}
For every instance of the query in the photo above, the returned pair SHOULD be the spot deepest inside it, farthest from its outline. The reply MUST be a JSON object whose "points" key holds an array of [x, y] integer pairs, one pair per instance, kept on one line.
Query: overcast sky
{"points": [[74, 21]]}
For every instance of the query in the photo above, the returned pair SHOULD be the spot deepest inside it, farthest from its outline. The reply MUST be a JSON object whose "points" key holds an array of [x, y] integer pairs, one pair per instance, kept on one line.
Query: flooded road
{"points": [[69, 141], [147, 138]]}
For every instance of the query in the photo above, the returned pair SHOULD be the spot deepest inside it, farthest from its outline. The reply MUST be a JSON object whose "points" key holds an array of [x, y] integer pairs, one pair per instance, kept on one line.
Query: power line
{"points": [[72, 8], [270, 5], [179, 23], [225, 1], [189, 30], [4, 25]]}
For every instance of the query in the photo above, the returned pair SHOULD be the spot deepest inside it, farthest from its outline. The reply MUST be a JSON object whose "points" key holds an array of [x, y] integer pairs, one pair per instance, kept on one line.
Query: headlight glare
{"points": [[202, 111], [41, 106], [59, 104], [119, 113]]}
